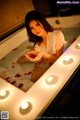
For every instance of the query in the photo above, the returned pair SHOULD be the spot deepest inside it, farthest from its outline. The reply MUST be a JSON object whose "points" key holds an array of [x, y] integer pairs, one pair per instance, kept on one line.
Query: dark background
{"points": [[52, 8]]}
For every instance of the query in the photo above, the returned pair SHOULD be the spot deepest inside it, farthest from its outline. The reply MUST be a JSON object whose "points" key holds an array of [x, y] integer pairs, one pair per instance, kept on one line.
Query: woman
{"points": [[48, 43]]}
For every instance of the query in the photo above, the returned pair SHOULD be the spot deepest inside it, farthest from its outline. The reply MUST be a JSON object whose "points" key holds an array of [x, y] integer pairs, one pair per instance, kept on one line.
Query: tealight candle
{"points": [[4, 94], [51, 79], [25, 105], [67, 60], [77, 46]]}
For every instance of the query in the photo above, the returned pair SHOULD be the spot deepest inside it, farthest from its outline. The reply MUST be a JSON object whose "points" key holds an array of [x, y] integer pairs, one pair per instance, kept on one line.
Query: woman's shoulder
{"points": [[57, 32]]}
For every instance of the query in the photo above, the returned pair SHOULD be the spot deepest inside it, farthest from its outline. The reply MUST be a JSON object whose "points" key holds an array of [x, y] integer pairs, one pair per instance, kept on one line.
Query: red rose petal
{"points": [[7, 78], [20, 85], [18, 75], [13, 82], [13, 66], [29, 73], [32, 56], [25, 74]]}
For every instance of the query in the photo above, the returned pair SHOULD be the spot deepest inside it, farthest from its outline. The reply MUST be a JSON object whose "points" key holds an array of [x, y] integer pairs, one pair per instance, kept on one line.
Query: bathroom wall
{"points": [[12, 14]]}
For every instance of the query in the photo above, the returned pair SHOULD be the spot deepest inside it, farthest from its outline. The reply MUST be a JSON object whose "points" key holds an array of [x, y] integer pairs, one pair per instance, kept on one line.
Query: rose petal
{"points": [[20, 85], [13, 82]]}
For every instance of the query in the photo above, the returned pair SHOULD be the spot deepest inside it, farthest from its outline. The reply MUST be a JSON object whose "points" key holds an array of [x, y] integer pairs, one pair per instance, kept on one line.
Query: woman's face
{"points": [[36, 28]]}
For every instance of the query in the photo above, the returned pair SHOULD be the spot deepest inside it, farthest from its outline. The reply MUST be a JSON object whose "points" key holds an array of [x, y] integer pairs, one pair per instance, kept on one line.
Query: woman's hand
{"points": [[39, 57], [31, 55]]}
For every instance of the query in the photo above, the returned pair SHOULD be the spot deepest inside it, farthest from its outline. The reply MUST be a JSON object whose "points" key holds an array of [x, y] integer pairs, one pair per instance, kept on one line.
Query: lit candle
{"points": [[25, 105], [67, 60], [78, 44], [49, 79], [2, 93]]}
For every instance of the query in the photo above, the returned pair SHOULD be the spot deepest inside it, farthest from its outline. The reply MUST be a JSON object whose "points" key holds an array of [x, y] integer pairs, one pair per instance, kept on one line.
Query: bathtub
{"points": [[43, 92]]}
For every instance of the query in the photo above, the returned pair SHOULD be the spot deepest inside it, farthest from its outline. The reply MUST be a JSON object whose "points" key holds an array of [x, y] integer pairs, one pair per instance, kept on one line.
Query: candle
{"points": [[78, 44], [49, 79], [67, 60], [25, 105], [3, 93]]}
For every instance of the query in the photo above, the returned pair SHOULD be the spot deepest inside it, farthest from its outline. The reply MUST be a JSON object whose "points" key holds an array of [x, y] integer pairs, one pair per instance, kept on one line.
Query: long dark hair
{"points": [[36, 15]]}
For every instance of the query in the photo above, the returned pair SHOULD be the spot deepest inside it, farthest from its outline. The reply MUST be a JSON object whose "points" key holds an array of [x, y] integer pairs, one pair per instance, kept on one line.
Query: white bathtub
{"points": [[41, 94]]}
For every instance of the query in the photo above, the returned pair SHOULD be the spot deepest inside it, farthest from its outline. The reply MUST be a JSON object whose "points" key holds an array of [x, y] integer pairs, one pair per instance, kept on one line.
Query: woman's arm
{"points": [[48, 58]]}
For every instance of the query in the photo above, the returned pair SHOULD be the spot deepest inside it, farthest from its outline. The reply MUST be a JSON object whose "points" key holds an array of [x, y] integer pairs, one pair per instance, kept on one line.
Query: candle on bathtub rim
{"points": [[77, 46], [67, 60], [49, 79], [25, 105], [3, 93]]}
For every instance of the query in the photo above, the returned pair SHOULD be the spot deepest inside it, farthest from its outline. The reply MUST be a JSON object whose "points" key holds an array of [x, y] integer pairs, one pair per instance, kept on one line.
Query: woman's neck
{"points": [[44, 37]]}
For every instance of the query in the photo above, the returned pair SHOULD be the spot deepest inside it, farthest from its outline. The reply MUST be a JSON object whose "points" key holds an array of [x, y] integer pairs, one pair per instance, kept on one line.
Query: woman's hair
{"points": [[36, 15]]}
